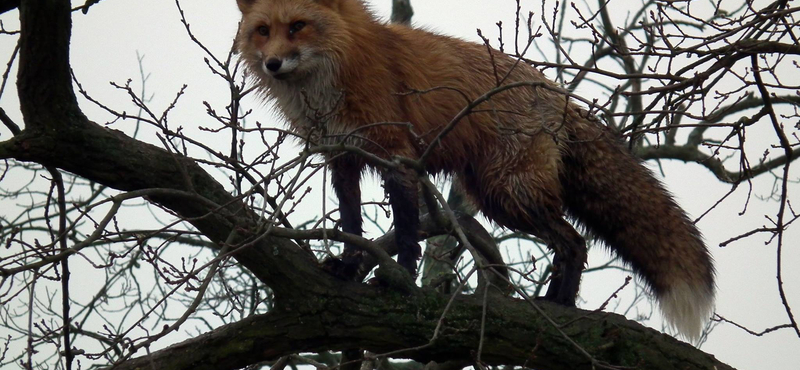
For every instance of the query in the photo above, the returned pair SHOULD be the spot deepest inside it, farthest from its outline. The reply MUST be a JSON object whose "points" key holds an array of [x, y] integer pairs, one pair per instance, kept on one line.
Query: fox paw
{"points": [[345, 267]]}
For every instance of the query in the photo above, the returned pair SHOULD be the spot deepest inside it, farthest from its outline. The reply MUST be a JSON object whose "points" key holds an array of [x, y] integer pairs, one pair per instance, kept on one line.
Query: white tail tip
{"points": [[686, 308]]}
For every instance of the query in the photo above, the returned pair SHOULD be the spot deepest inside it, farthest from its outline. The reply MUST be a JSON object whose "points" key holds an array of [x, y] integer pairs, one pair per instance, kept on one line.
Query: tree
{"points": [[249, 268]]}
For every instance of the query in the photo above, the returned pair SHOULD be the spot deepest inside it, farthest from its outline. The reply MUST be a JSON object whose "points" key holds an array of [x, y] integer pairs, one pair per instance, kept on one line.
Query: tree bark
{"points": [[386, 321]]}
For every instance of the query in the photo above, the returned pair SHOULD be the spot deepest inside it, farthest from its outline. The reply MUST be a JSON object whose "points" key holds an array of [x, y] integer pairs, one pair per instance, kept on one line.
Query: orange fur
{"points": [[525, 156]]}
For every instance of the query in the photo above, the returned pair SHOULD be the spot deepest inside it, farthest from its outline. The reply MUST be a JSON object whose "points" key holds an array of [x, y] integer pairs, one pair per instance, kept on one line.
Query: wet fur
{"points": [[526, 157]]}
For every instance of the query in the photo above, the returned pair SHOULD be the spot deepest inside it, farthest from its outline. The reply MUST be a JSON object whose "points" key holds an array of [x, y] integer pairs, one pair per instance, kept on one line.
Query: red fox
{"points": [[526, 156]]}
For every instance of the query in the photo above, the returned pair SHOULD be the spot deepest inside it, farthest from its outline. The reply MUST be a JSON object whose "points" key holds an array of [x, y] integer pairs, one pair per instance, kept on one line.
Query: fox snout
{"points": [[273, 64], [280, 68]]}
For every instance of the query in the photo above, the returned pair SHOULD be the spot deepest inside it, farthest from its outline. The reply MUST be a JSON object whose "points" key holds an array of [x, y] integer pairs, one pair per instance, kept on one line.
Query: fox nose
{"points": [[273, 64]]}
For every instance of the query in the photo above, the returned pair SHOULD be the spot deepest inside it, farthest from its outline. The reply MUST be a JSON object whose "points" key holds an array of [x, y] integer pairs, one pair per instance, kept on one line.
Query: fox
{"points": [[525, 154]]}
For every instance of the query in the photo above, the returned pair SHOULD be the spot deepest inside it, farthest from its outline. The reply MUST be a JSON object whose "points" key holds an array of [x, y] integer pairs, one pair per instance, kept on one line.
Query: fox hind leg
{"points": [[529, 200], [569, 259], [569, 248]]}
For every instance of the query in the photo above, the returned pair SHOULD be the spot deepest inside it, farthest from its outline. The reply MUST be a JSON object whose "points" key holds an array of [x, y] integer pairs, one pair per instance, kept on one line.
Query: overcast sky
{"points": [[105, 44]]}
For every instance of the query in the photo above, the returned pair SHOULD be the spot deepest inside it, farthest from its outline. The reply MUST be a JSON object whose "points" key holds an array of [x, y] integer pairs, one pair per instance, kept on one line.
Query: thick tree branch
{"points": [[383, 321], [6, 5], [402, 12], [58, 134], [115, 160]]}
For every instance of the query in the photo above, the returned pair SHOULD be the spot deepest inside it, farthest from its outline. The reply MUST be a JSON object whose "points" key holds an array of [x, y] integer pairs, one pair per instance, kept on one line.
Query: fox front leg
{"points": [[401, 184], [346, 183]]}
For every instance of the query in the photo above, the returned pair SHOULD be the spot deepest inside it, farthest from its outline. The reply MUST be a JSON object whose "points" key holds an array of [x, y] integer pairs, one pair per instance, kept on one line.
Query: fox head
{"points": [[290, 40]]}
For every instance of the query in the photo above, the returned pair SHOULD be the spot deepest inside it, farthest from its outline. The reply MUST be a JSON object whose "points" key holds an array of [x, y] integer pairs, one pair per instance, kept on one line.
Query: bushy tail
{"points": [[617, 199]]}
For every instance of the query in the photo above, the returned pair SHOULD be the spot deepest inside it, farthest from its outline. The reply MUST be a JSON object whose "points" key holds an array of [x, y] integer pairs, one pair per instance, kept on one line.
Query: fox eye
{"points": [[296, 27], [263, 30]]}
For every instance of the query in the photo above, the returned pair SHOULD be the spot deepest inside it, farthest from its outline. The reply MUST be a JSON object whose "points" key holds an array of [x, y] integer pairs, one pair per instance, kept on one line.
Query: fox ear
{"points": [[244, 5]]}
